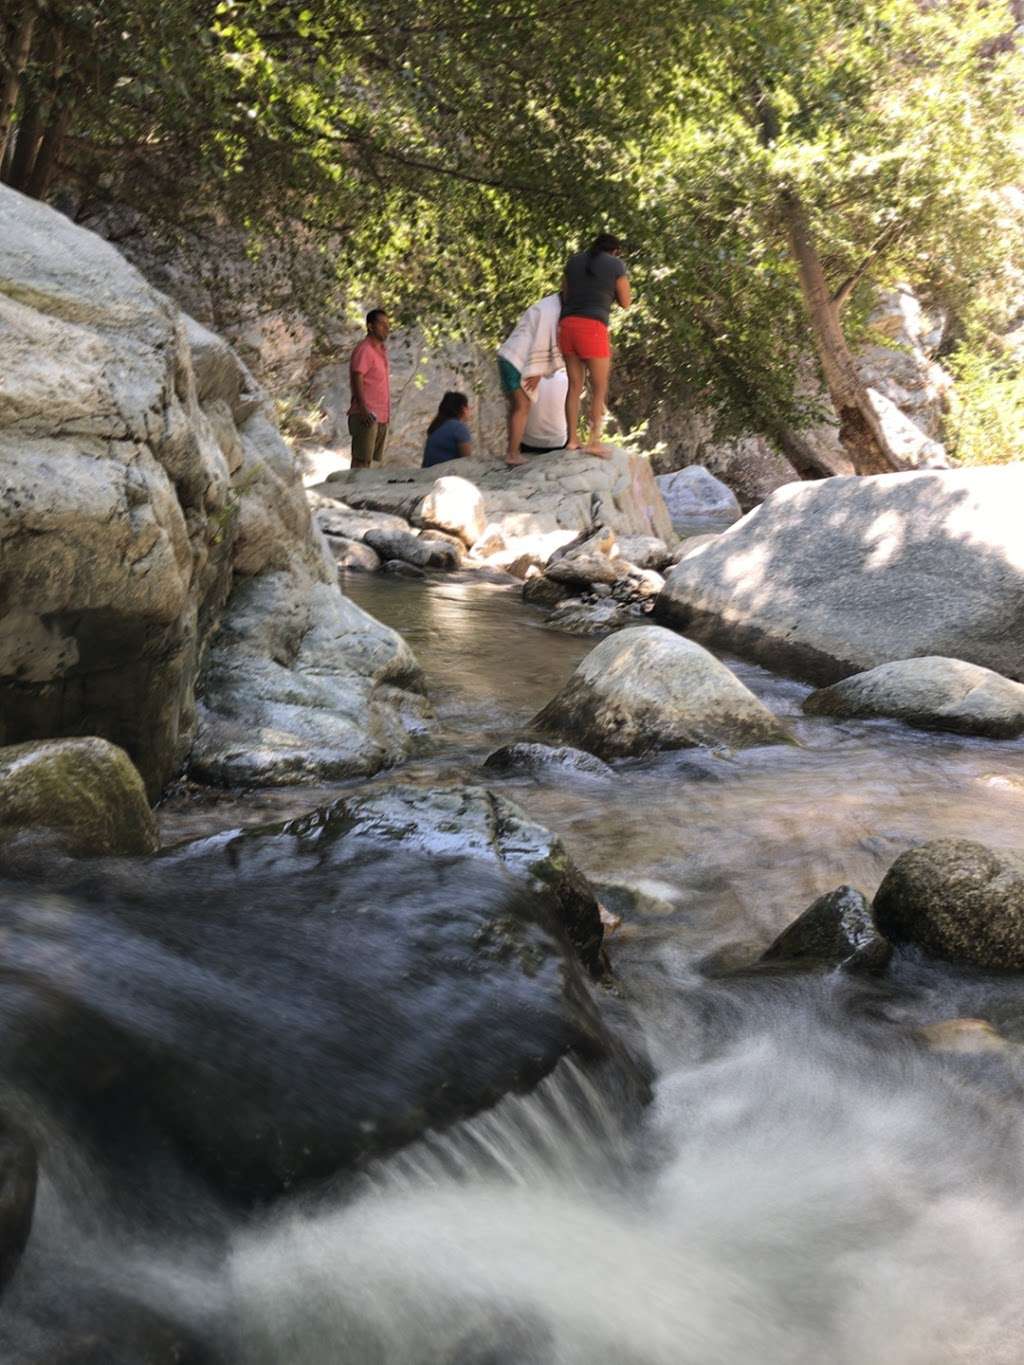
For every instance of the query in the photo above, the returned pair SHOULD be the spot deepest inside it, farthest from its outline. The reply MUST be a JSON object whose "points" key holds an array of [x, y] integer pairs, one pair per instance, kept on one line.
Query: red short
{"points": [[584, 337]]}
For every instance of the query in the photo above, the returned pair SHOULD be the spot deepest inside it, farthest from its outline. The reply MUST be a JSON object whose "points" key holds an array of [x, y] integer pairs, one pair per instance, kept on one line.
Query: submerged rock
{"points": [[19, 1170], [958, 900], [647, 689], [318, 992], [932, 693], [964, 1037], [837, 930], [837, 576], [537, 757], [83, 794]]}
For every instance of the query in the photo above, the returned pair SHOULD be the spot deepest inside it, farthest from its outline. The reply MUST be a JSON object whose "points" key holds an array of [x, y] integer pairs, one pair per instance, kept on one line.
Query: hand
{"points": [[530, 384]]}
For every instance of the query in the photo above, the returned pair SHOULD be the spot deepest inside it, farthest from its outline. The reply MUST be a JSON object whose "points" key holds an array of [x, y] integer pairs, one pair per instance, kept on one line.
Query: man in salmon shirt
{"points": [[369, 372]]}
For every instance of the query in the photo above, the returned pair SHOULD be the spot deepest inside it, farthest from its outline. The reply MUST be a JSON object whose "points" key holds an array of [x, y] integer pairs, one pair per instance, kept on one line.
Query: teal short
{"points": [[510, 377]]}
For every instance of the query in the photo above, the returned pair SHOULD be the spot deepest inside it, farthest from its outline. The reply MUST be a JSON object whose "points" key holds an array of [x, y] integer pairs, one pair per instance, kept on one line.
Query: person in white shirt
{"points": [[545, 422], [528, 354]]}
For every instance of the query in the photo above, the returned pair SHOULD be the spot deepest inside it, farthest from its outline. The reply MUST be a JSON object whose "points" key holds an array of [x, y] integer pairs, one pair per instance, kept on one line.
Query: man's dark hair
{"points": [[374, 314]]}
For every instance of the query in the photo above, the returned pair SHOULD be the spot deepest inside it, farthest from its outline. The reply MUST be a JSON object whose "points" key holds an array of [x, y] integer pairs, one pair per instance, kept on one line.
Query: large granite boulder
{"points": [[143, 478], [83, 795], [287, 1002], [561, 492], [301, 684], [931, 693], [648, 688], [115, 504], [958, 900], [836, 577]]}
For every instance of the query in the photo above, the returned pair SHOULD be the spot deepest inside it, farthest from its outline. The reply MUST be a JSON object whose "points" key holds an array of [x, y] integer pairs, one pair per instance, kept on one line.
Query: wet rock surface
{"points": [[838, 930], [537, 757], [957, 900], [931, 694], [646, 689], [298, 1020]]}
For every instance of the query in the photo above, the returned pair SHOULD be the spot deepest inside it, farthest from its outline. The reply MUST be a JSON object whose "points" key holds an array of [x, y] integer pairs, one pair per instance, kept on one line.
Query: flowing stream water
{"points": [[809, 1183]]}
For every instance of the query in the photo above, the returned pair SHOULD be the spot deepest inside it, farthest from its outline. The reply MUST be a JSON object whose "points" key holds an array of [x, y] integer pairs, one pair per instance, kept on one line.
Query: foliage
{"points": [[442, 156], [987, 422]]}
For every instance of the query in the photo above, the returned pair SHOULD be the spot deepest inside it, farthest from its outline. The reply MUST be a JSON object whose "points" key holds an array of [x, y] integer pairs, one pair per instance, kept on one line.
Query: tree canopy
{"points": [[769, 162]]}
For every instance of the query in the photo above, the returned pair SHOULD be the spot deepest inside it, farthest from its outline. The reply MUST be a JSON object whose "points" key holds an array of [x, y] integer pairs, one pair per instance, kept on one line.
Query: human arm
{"points": [[623, 294], [463, 441], [359, 396]]}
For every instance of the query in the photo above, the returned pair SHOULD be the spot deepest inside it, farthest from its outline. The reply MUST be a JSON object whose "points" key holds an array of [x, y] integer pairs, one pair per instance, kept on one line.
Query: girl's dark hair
{"points": [[604, 241], [451, 405]]}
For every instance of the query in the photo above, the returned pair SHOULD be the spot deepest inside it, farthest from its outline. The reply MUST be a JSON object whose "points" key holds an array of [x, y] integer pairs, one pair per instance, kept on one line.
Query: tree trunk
{"points": [[49, 152], [860, 430], [11, 87], [27, 137]]}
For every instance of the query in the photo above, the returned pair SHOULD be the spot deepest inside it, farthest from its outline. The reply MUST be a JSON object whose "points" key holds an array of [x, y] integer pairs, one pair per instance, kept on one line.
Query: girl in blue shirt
{"points": [[448, 436]]}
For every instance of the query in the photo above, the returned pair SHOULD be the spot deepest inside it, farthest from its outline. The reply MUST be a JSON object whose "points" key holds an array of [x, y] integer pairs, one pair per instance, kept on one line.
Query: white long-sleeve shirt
{"points": [[532, 345]]}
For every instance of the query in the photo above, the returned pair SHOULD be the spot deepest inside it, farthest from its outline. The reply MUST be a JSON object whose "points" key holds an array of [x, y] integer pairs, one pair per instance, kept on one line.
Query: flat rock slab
{"points": [[958, 900], [556, 492], [648, 688], [931, 693], [836, 577]]}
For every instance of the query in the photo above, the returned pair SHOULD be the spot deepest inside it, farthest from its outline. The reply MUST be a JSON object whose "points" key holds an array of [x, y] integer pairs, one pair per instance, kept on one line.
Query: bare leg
{"points": [[576, 373], [518, 412], [599, 370]]}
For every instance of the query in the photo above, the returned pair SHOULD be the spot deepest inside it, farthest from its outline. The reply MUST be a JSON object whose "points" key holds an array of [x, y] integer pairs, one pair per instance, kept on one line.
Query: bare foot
{"points": [[574, 446], [514, 461], [595, 448]]}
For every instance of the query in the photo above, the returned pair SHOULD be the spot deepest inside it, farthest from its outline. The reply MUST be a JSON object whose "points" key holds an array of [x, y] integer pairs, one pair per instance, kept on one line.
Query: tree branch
{"points": [[842, 295]]}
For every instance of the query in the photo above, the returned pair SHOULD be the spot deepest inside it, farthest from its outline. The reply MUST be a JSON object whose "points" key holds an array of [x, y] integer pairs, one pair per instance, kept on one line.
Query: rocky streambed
{"points": [[223, 1052]]}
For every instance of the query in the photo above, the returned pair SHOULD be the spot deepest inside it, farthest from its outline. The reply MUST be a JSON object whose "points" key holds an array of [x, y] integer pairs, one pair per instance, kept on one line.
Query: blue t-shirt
{"points": [[443, 443]]}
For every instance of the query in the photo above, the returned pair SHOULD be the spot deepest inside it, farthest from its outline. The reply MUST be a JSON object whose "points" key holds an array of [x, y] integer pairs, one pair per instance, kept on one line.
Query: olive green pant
{"points": [[367, 441]]}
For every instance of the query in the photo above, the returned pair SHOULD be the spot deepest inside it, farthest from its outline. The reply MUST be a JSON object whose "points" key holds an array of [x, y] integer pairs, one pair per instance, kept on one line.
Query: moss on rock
{"points": [[84, 794]]}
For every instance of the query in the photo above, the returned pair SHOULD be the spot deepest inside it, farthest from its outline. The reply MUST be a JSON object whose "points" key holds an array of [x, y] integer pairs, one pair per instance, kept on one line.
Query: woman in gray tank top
{"points": [[594, 281]]}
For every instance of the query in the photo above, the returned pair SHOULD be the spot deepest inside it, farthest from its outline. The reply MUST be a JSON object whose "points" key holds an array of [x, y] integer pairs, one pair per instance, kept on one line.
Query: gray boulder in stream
{"points": [[931, 693], [958, 900], [837, 930], [288, 1002], [835, 577], [648, 688]]}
